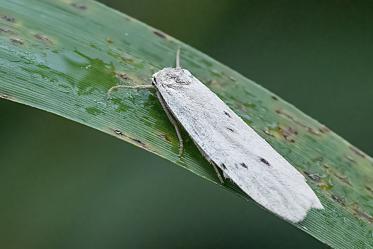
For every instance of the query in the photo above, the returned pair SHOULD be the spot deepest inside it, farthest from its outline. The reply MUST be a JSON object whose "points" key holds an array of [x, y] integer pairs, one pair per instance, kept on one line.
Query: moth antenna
{"points": [[178, 58]]}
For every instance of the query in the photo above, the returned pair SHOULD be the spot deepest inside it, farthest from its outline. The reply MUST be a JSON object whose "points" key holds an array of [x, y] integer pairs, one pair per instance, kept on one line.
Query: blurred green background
{"points": [[68, 186]]}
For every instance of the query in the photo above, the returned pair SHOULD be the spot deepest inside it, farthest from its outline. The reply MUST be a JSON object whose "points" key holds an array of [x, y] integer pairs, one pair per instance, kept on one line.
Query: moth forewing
{"points": [[228, 142]]}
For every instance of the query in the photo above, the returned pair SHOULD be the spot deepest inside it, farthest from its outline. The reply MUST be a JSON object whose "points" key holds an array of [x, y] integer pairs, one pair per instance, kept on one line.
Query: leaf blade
{"points": [[63, 57]]}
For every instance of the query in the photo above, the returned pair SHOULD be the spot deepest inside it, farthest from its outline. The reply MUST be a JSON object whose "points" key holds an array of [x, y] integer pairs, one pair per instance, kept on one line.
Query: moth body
{"points": [[234, 147]]}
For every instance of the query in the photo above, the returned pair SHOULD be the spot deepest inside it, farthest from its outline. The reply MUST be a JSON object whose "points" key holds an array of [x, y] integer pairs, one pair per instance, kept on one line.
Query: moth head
{"points": [[172, 77]]}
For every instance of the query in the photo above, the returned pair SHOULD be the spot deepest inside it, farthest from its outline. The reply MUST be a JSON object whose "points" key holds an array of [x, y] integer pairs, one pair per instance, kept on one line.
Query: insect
{"points": [[231, 146]]}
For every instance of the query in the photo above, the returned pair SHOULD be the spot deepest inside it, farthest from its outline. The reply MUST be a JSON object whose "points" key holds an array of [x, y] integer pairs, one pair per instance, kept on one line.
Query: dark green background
{"points": [[68, 186]]}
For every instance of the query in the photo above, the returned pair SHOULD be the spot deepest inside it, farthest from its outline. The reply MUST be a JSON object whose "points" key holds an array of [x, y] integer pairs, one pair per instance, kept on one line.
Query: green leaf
{"points": [[63, 57]]}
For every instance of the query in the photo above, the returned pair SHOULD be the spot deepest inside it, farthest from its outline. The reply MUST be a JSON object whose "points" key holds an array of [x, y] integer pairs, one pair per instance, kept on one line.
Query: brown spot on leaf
{"points": [[349, 158], [338, 199], [326, 166], [326, 185], [137, 141], [122, 76], [127, 58], [287, 115], [324, 129], [79, 6], [268, 132], [363, 214], [16, 41], [212, 82], [118, 132], [4, 96], [43, 38], [167, 137], [288, 133], [343, 178], [313, 176], [357, 151], [8, 18], [160, 34], [369, 189], [4, 30], [313, 131], [109, 40]]}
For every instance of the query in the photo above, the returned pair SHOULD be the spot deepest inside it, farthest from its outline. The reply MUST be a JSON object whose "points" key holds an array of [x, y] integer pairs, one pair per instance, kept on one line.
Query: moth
{"points": [[232, 146]]}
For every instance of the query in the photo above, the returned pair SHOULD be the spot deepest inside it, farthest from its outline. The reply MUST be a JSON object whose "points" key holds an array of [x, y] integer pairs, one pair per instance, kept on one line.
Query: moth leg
{"points": [[218, 173], [128, 87], [173, 122]]}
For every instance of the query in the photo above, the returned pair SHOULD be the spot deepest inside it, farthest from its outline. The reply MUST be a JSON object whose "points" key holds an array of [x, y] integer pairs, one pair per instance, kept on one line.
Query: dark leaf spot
{"points": [[313, 131], [289, 133], [223, 166], [16, 41], [324, 129], [118, 132], [243, 165], [357, 151], [313, 177], [287, 115], [363, 214], [338, 199], [369, 189], [109, 40], [4, 30], [343, 178], [79, 6], [160, 34], [43, 38], [265, 161], [137, 141], [274, 97], [122, 76], [4, 96], [167, 137], [8, 18]]}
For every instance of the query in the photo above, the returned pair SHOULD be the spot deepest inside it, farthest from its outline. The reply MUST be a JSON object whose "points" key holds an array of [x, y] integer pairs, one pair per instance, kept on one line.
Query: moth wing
{"points": [[227, 141]]}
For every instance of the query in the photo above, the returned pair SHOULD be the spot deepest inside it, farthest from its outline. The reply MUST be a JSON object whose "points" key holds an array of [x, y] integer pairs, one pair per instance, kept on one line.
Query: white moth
{"points": [[229, 144]]}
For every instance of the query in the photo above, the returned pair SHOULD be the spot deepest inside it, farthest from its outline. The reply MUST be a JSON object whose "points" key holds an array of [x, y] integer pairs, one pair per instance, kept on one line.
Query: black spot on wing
{"points": [[243, 165], [230, 129], [227, 114], [265, 161]]}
